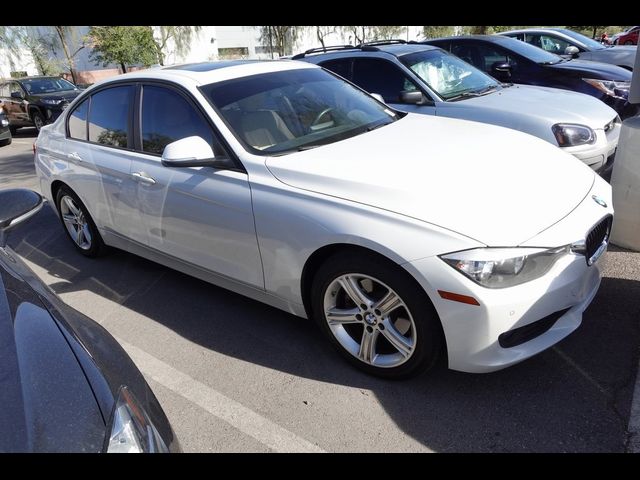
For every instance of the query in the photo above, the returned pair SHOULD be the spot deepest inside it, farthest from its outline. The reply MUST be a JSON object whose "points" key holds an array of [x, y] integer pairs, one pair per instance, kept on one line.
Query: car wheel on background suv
{"points": [[37, 119], [13, 130], [628, 42], [78, 224], [376, 315]]}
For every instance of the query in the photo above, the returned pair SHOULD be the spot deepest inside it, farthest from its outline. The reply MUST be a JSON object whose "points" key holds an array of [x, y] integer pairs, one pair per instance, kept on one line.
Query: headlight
{"points": [[4, 122], [610, 87], [570, 135], [131, 429], [504, 267], [51, 101]]}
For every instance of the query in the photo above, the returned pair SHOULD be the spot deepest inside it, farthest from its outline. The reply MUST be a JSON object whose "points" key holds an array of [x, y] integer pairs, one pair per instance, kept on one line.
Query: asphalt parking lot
{"points": [[235, 375]]}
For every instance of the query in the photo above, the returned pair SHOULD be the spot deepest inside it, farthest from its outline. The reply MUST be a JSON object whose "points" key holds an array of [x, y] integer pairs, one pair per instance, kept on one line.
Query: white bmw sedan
{"points": [[404, 236]]}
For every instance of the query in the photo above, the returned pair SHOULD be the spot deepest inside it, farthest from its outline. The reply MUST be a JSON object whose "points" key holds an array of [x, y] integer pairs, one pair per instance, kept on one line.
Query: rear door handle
{"points": [[74, 156], [143, 177]]}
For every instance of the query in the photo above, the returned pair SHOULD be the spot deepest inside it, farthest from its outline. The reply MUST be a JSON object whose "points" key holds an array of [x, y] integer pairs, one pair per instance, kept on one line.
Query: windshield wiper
{"points": [[472, 93], [373, 127]]}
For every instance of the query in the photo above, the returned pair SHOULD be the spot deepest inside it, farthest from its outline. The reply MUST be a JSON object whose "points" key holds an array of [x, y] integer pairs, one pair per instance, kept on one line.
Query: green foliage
{"points": [[437, 31], [590, 31], [123, 45], [356, 34]]}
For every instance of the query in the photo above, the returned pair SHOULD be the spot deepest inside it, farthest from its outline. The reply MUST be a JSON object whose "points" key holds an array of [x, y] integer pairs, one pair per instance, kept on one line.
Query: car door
{"points": [[18, 112], [377, 75], [98, 153], [200, 215]]}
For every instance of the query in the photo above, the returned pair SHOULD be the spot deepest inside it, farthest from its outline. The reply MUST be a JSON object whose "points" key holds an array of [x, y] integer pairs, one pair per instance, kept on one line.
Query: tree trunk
{"points": [[124, 67], [595, 30], [65, 49], [320, 37]]}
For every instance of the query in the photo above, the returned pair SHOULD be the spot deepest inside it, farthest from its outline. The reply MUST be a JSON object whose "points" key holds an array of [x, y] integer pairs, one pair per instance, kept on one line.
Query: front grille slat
{"points": [[598, 235]]}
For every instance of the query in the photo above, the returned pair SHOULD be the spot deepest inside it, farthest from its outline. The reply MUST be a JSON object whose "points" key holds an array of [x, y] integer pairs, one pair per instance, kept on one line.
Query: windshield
{"points": [[47, 85], [281, 112], [534, 54], [448, 75], [590, 43]]}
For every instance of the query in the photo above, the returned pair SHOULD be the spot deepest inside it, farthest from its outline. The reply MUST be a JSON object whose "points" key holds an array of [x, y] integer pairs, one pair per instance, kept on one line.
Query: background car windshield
{"points": [[448, 75], [280, 112], [46, 85], [534, 54], [589, 42]]}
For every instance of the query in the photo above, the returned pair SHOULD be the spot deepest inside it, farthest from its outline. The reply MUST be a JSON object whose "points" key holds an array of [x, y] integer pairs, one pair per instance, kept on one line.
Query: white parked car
{"points": [[400, 234]]}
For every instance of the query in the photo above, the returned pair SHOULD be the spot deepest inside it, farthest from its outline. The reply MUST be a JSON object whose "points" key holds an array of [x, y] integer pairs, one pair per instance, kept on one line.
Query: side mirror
{"points": [[378, 97], [571, 50], [501, 70], [188, 152], [19, 95], [412, 97], [16, 206]]}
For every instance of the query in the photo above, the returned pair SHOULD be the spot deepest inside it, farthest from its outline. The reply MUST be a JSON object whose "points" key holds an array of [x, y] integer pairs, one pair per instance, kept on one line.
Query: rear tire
{"points": [[391, 331], [78, 224], [628, 42]]}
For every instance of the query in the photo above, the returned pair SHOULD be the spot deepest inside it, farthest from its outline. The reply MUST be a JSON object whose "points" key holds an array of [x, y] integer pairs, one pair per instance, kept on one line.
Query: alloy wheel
{"points": [[75, 222]]}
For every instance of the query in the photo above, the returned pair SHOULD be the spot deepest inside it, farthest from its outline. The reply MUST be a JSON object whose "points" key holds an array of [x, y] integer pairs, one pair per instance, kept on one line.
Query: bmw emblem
{"points": [[599, 201]]}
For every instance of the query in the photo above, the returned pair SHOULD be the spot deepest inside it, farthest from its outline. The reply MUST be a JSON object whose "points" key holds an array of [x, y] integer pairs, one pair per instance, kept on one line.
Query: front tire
{"points": [[376, 315], [38, 120], [78, 224]]}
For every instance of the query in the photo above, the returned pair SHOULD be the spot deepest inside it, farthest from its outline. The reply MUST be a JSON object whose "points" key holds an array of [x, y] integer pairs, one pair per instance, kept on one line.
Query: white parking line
{"points": [[634, 419], [235, 414]]}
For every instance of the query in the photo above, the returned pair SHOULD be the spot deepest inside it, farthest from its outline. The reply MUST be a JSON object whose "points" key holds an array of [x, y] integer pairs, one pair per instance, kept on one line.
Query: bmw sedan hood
{"points": [[47, 404], [495, 185], [541, 104], [598, 70]]}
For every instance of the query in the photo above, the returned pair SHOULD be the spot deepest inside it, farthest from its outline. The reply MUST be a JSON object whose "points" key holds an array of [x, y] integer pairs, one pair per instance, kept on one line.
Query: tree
{"points": [[180, 36], [64, 34], [322, 32], [590, 29], [437, 31], [122, 45], [361, 34], [15, 39], [280, 38]]}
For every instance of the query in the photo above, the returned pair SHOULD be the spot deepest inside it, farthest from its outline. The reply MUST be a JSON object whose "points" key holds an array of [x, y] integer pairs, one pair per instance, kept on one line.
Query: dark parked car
{"points": [[511, 60], [66, 385], [35, 101], [5, 133]]}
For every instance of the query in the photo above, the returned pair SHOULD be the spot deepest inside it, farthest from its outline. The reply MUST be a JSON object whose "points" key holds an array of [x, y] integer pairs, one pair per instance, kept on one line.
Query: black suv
{"points": [[35, 101]]}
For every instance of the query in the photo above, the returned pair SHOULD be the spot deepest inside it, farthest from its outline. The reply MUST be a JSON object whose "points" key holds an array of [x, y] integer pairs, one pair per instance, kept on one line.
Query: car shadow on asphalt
{"points": [[574, 397]]}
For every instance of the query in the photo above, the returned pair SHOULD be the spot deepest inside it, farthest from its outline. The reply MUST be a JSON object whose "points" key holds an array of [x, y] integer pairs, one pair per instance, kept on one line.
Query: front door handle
{"points": [[74, 156], [143, 177]]}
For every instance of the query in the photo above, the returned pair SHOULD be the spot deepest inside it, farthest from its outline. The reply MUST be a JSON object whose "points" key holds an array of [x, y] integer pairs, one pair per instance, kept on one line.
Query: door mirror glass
{"points": [[188, 152], [501, 70], [16, 206]]}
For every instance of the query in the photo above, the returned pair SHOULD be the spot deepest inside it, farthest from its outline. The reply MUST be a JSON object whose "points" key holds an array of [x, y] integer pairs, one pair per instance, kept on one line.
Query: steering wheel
{"points": [[316, 121]]}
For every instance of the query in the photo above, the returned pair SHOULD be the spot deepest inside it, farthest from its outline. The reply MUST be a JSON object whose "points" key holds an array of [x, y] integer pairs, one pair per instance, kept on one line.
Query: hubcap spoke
{"points": [[396, 339], [79, 235], [69, 219], [86, 233], [367, 351], [72, 206], [351, 286], [388, 303], [341, 316]]}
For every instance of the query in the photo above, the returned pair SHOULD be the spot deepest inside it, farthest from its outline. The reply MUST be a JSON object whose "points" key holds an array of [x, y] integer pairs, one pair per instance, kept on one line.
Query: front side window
{"points": [[447, 74], [548, 43], [15, 88], [292, 110], [78, 121], [109, 116], [382, 77], [167, 117]]}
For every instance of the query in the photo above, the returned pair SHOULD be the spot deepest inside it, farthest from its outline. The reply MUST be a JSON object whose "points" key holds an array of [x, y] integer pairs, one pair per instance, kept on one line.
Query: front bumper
{"points": [[472, 332], [599, 155]]}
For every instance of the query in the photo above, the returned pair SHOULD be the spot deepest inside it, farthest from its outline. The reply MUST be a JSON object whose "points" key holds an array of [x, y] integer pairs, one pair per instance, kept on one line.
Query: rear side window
{"points": [[4, 90], [78, 121], [109, 116], [342, 67], [167, 116]]}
